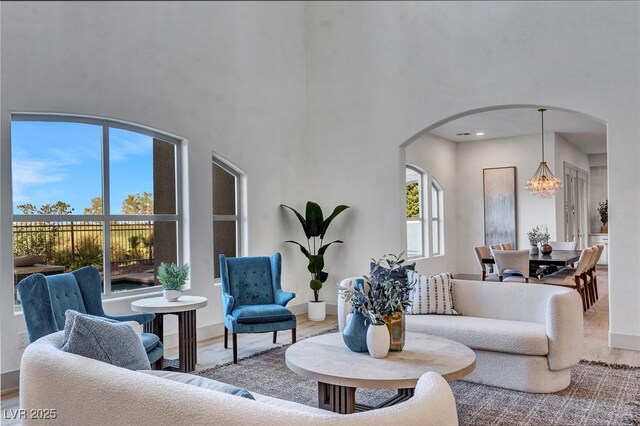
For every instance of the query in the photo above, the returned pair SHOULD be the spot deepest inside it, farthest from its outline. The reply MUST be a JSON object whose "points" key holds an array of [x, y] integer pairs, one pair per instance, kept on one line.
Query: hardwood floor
{"points": [[211, 352]]}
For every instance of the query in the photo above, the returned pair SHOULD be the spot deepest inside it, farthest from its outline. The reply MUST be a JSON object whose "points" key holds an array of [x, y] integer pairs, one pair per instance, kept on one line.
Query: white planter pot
{"points": [[317, 311], [378, 340], [172, 295]]}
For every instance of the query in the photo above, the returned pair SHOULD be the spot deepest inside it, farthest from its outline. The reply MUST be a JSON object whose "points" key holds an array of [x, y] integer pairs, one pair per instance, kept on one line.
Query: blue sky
{"points": [[57, 161]]}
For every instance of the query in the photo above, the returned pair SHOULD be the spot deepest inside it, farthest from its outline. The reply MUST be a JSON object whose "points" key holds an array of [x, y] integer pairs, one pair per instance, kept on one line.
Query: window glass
{"points": [[224, 242], [415, 226], [224, 191]]}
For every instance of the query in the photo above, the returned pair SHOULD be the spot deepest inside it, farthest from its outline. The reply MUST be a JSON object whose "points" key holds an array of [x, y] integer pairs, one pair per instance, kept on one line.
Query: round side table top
{"points": [[327, 359], [160, 305]]}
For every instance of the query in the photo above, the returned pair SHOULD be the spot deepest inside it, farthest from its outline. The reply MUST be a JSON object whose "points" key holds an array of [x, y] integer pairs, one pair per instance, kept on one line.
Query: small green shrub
{"points": [[172, 276]]}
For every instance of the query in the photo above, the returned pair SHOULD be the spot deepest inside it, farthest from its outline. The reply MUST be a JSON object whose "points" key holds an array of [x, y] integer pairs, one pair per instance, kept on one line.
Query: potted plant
{"points": [[173, 279], [315, 227], [533, 240], [603, 209], [543, 238]]}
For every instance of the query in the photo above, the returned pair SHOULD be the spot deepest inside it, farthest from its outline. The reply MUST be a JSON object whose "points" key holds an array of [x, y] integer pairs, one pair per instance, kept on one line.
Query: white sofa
{"points": [[84, 391], [526, 336]]}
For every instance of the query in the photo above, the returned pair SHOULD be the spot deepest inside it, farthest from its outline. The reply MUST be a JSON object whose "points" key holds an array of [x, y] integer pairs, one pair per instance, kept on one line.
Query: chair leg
{"points": [[226, 338], [595, 282], [275, 336], [580, 290], [235, 347], [526, 279], [293, 335]]}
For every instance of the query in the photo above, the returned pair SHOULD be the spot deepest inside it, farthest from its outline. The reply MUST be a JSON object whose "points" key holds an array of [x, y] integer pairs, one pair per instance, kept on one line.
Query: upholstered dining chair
{"points": [[563, 245], [496, 246], [574, 278], [482, 252], [252, 298], [514, 261], [45, 299], [506, 246]]}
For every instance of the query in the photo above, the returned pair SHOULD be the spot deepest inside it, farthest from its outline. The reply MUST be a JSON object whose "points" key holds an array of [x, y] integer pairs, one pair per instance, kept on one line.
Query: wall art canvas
{"points": [[500, 205]]}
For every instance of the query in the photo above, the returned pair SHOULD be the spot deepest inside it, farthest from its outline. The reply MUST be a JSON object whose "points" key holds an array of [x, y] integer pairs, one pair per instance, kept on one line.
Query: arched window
{"points": [[415, 179], [92, 191], [227, 211]]}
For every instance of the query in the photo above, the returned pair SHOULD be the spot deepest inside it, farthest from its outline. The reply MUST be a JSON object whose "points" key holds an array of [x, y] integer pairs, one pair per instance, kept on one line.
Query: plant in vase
{"points": [[315, 227], [603, 210], [533, 240], [173, 279], [543, 239]]}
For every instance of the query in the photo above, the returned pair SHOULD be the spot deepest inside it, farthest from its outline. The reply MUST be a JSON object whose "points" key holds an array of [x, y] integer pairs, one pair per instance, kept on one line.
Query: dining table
{"points": [[558, 258]]}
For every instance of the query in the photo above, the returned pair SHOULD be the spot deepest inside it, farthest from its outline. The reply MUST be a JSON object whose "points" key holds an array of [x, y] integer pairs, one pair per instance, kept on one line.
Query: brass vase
{"points": [[395, 324]]}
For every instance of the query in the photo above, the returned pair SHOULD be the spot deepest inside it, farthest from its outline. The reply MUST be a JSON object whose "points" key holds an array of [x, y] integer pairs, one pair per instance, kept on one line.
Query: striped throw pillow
{"points": [[431, 295]]}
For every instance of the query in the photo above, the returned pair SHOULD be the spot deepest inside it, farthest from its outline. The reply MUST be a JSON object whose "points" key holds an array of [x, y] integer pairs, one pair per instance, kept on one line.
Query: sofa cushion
{"points": [[517, 337], [111, 342], [256, 314], [431, 295], [201, 382]]}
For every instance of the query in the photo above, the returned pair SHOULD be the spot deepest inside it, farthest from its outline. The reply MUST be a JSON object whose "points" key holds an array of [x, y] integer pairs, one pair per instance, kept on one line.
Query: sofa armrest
{"points": [[227, 303], [564, 330]]}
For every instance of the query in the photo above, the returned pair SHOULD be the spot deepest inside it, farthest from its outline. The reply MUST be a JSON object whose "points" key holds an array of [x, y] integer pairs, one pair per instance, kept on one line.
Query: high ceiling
{"points": [[584, 132]]}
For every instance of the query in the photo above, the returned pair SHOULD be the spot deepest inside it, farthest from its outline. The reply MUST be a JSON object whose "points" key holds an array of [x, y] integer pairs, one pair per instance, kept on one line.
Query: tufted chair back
{"points": [[249, 280], [46, 299]]}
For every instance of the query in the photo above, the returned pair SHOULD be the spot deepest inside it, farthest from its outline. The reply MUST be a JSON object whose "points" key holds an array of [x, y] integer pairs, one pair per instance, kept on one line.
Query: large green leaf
{"points": [[315, 285], [314, 219], [303, 222], [316, 263], [327, 222], [324, 248], [303, 249], [322, 276]]}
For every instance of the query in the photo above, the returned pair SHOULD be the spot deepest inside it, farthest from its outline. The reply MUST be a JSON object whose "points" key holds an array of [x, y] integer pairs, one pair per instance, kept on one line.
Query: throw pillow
{"points": [[399, 274], [115, 343], [431, 295], [71, 315], [201, 382]]}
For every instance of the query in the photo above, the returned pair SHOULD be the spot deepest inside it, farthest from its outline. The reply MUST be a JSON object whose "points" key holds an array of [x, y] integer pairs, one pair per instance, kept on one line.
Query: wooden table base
{"points": [[187, 344], [342, 399]]}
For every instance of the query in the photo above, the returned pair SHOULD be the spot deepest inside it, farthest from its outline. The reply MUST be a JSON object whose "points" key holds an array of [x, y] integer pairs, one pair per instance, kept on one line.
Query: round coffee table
{"points": [[185, 308], [339, 371]]}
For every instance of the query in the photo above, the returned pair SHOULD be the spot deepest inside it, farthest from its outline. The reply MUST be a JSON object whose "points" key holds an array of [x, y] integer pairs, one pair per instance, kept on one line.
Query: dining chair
{"points": [[252, 299], [506, 246], [513, 261], [595, 270], [592, 280], [563, 245], [482, 252], [496, 246], [574, 278]]}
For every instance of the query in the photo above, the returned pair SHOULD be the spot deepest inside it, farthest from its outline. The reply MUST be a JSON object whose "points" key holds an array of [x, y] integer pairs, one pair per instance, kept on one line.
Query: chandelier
{"points": [[543, 183]]}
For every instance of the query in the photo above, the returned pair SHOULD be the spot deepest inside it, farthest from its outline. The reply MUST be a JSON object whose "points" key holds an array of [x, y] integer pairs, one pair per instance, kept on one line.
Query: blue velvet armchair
{"points": [[252, 299], [45, 299]]}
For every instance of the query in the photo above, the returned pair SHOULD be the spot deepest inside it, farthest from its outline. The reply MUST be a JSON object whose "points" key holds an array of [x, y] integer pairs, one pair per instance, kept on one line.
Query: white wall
{"points": [[229, 78], [437, 156], [379, 73], [472, 157], [566, 152], [315, 100]]}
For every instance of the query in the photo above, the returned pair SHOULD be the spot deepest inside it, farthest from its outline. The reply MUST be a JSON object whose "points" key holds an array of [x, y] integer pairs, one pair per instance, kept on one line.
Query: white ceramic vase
{"points": [[317, 311], [378, 340], [172, 295]]}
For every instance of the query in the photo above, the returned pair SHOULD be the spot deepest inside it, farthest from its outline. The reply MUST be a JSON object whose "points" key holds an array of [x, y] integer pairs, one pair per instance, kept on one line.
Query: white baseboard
{"points": [[624, 341]]}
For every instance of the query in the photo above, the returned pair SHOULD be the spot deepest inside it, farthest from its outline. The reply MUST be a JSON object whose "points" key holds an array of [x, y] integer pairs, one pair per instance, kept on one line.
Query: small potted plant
{"points": [[543, 239], [533, 240], [603, 209], [173, 279], [315, 227]]}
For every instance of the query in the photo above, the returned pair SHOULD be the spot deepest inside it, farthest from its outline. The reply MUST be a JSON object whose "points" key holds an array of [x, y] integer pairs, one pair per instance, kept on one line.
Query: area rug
{"points": [[599, 394]]}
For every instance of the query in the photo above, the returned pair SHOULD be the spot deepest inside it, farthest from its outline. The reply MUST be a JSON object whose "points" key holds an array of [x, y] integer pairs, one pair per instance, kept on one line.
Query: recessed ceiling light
{"points": [[463, 134], [480, 134]]}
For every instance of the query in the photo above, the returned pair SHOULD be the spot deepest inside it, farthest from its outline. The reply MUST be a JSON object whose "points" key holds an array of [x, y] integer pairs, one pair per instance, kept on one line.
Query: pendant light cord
{"points": [[542, 110]]}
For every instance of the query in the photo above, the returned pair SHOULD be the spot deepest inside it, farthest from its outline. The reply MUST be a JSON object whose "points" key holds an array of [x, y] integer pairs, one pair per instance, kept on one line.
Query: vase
{"points": [[533, 250], [546, 249], [355, 332], [395, 325], [378, 340], [604, 229], [172, 295], [316, 311]]}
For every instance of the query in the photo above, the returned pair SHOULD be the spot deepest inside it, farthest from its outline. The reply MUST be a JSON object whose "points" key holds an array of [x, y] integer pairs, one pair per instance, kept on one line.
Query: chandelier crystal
{"points": [[543, 183]]}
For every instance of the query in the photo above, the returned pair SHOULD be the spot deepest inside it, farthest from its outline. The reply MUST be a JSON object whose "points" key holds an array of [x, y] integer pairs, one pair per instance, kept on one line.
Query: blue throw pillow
{"points": [[399, 274], [115, 343], [201, 382]]}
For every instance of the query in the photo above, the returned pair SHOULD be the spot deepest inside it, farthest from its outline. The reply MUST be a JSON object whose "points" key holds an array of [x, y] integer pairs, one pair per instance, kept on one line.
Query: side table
{"points": [[185, 309]]}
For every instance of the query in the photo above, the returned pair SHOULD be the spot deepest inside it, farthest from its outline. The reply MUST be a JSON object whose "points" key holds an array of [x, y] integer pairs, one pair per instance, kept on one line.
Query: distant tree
{"points": [[59, 207], [96, 206], [137, 204], [413, 200]]}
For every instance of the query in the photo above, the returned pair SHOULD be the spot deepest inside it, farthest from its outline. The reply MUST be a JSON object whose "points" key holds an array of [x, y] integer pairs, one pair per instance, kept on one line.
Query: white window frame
{"points": [[239, 217], [106, 217], [438, 202], [423, 204]]}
